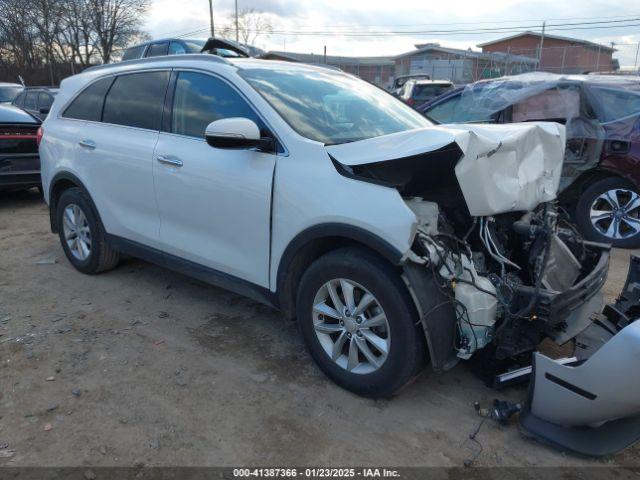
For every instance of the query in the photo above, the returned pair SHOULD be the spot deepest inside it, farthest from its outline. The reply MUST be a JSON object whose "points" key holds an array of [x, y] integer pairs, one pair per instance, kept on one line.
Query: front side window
{"points": [[157, 49], [200, 99], [88, 105], [136, 100], [331, 107], [31, 100]]}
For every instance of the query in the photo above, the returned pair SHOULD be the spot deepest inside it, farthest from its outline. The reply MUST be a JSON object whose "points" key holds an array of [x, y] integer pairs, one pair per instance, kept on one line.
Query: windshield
{"points": [[7, 94], [331, 107]]}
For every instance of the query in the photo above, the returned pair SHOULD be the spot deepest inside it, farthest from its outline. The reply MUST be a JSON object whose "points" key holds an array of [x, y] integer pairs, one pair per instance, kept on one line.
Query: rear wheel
{"points": [[359, 323], [81, 234], [609, 211]]}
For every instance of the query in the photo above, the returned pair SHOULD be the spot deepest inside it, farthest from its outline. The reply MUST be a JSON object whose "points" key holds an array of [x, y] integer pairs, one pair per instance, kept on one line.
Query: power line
{"points": [[203, 27]]}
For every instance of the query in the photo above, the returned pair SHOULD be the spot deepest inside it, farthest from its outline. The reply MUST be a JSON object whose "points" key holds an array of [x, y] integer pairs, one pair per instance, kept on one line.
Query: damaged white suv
{"points": [[392, 241]]}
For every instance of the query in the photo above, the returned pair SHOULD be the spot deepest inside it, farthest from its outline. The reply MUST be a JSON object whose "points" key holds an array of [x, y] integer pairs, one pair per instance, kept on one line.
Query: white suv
{"points": [[390, 240]]}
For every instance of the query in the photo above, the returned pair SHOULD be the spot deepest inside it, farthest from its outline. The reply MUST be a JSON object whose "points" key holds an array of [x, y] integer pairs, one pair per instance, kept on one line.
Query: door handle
{"points": [[89, 144], [175, 162]]}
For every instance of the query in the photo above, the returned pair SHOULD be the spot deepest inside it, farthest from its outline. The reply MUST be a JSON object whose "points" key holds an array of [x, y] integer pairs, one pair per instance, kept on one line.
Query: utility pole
{"points": [[237, 35], [635, 64], [544, 24], [213, 32]]}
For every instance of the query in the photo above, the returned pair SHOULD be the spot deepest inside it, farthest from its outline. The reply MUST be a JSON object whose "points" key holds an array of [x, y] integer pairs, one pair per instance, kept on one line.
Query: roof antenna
{"points": [[22, 81]]}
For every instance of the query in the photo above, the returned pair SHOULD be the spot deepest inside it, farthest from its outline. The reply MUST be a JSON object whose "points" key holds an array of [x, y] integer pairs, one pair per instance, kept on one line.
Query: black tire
{"points": [[101, 256], [407, 351], [583, 211]]}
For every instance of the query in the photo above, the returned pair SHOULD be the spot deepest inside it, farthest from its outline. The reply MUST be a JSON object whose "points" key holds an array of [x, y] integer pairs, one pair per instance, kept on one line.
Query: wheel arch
{"points": [[571, 195], [59, 183], [311, 244]]}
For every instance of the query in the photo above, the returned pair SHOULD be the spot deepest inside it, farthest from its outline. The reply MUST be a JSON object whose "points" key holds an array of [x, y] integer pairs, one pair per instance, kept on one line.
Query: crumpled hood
{"points": [[512, 167]]}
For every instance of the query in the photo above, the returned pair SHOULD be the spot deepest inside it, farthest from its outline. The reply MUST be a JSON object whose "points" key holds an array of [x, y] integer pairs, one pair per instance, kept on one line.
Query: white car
{"points": [[390, 240]]}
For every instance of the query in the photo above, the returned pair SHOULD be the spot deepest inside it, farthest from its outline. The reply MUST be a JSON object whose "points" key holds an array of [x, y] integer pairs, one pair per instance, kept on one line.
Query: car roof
{"points": [[431, 82], [199, 58], [9, 84], [12, 114]]}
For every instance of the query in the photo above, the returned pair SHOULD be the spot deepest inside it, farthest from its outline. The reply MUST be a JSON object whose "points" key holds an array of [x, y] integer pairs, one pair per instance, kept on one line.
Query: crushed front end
{"points": [[498, 271]]}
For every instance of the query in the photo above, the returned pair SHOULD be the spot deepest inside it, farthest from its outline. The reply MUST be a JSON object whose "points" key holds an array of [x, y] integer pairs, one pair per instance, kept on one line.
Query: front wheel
{"points": [[359, 323], [609, 211]]}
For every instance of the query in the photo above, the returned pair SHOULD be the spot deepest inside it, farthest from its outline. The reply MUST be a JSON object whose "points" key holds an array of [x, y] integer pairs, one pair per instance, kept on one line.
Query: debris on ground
{"points": [[47, 427], [77, 392], [47, 261], [50, 379]]}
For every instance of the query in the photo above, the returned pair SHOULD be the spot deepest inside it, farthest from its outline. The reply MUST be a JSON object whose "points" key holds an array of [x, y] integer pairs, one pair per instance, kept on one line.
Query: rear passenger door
{"points": [[214, 204], [115, 151]]}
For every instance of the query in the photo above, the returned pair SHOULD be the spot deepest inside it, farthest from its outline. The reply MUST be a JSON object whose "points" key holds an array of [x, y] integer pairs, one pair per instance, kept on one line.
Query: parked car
{"points": [[36, 100], [179, 46], [315, 192], [19, 161], [8, 91], [400, 80], [417, 92], [601, 177]]}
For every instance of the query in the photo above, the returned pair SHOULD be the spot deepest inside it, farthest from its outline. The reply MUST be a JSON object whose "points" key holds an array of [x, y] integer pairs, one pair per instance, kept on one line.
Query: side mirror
{"points": [[236, 133], [44, 110]]}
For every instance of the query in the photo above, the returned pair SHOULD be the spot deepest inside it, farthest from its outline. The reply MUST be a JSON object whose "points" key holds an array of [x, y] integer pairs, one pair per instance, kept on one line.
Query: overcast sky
{"points": [[176, 17]]}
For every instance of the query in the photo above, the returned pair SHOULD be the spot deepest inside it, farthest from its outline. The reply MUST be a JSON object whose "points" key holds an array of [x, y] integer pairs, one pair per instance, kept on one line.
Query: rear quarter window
{"points": [[136, 100], [88, 105], [133, 53]]}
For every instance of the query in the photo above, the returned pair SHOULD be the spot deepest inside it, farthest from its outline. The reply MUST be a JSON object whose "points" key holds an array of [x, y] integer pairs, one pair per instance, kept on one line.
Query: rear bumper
{"points": [[19, 170]]}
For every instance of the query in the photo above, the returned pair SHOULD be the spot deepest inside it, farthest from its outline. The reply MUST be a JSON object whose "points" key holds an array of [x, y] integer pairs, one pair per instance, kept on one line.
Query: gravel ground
{"points": [[145, 366]]}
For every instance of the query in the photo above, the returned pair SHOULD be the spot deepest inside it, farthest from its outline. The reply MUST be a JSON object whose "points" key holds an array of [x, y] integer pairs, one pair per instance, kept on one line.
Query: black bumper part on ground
{"points": [[592, 407]]}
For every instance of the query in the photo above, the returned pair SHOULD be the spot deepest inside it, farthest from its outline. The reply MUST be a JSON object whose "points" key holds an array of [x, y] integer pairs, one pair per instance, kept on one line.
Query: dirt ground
{"points": [[141, 365]]}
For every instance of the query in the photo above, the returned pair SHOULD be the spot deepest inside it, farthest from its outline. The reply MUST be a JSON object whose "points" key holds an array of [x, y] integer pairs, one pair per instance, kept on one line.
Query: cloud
{"points": [[169, 18]]}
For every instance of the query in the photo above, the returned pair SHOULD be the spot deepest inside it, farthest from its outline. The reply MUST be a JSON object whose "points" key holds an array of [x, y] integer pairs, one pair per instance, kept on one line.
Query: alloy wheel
{"points": [[616, 213], [351, 326], [76, 231]]}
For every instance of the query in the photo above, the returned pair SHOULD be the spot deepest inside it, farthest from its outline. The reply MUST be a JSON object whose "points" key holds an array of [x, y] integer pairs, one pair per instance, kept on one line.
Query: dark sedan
{"points": [[601, 173], [19, 160]]}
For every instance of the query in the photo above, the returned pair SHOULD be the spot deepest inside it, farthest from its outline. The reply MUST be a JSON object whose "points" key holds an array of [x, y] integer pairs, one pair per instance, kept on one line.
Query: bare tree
{"points": [[76, 41], [251, 24], [115, 23]]}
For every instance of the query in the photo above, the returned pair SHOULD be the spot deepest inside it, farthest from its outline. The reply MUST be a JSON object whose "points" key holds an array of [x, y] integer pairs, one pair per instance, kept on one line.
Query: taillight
{"points": [[39, 135]]}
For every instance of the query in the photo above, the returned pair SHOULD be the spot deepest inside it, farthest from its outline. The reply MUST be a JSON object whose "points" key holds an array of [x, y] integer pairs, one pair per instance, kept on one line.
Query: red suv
{"points": [[601, 173]]}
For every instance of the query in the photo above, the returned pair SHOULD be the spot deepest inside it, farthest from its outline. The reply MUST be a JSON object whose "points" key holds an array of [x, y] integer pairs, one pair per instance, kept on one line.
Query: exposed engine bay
{"points": [[496, 268], [505, 276]]}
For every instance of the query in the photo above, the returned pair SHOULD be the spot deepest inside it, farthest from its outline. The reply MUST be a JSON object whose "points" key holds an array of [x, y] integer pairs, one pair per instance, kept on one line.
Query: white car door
{"points": [[117, 156], [214, 204]]}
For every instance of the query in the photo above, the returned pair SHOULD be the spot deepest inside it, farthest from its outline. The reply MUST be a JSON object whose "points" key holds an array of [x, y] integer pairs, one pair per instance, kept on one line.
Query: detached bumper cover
{"points": [[592, 407]]}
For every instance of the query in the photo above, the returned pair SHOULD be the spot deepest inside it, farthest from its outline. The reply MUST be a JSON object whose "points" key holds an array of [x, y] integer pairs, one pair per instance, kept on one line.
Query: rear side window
{"points": [[158, 49], [45, 100], [88, 105], [201, 99], [136, 100], [31, 100], [176, 48], [133, 52]]}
